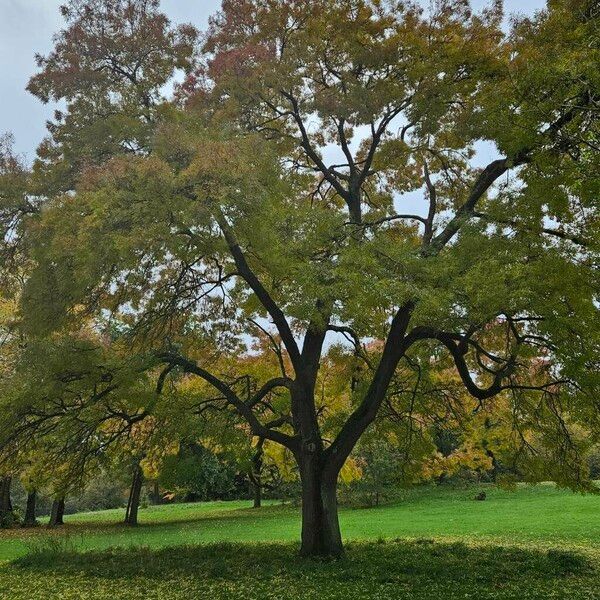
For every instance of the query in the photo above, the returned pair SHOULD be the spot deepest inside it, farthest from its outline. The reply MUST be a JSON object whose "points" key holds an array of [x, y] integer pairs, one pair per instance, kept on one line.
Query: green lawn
{"points": [[536, 542]]}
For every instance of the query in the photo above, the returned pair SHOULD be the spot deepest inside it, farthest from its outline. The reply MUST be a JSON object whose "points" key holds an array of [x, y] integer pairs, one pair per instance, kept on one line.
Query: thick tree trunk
{"points": [[5, 501], [131, 514], [30, 520], [320, 525], [57, 513]]}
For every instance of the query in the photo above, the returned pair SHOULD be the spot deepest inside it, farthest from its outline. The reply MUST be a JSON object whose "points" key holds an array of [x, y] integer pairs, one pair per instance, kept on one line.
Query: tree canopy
{"points": [[416, 187]]}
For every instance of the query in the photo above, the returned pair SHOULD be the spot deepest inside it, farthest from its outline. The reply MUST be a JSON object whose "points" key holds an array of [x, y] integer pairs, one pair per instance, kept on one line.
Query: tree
{"points": [[29, 520], [57, 512], [5, 500], [133, 502], [109, 66], [238, 225]]}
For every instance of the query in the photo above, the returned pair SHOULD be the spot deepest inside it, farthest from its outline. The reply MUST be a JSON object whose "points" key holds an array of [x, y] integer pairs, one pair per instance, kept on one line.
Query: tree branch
{"points": [[395, 346], [497, 168], [268, 387], [245, 410], [262, 294]]}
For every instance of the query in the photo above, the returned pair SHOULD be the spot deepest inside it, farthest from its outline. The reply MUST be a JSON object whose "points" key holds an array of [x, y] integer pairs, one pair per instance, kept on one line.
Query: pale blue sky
{"points": [[26, 27]]}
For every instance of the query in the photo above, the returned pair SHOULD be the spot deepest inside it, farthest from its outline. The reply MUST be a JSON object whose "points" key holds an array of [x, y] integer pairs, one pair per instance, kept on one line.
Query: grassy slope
{"points": [[533, 518]]}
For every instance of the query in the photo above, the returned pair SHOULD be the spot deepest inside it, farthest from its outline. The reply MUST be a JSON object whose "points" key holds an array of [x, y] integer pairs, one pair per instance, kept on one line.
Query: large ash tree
{"points": [[325, 174]]}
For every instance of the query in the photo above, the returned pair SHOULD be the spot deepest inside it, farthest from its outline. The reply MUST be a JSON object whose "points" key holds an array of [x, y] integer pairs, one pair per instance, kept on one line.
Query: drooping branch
{"points": [[268, 387], [243, 408], [497, 168], [397, 217], [261, 292], [458, 352], [458, 345]]}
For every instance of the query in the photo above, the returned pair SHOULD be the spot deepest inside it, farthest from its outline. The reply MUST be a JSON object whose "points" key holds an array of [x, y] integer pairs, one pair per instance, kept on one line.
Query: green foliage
{"points": [[174, 243], [381, 464], [10, 518], [197, 474], [594, 462]]}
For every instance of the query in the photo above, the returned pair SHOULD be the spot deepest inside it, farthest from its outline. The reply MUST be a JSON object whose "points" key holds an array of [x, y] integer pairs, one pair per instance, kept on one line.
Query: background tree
{"points": [[109, 67]]}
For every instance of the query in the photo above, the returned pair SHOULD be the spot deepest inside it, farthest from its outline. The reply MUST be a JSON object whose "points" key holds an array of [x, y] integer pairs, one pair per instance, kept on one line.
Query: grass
{"points": [[536, 542]]}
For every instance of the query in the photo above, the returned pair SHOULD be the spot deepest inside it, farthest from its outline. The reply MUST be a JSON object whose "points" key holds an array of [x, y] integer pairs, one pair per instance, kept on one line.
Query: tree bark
{"points": [[157, 498], [257, 494], [30, 520], [57, 513], [131, 514], [255, 475], [5, 501], [321, 534]]}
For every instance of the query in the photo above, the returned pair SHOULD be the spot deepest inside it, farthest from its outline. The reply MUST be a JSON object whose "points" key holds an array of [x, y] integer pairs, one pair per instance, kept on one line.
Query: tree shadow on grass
{"points": [[380, 563], [237, 514]]}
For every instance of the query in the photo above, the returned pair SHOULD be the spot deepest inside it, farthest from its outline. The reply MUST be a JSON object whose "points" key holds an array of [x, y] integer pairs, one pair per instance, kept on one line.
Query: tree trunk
{"points": [[5, 502], [255, 475], [57, 513], [157, 498], [320, 525], [131, 514], [30, 520], [257, 494]]}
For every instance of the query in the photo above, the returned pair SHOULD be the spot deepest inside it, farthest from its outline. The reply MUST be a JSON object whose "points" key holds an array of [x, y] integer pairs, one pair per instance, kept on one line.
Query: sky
{"points": [[26, 28]]}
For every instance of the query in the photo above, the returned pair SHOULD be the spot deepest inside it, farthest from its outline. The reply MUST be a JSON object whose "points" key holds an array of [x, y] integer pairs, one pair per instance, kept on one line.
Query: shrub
{"points": [[10, 518]]}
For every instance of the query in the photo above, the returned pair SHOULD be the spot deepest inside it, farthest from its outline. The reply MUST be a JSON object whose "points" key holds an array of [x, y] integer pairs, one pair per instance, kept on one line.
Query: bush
{"points": [[593, 460], [103, 492], [381, 474], [11, 518], [196, 473]]}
